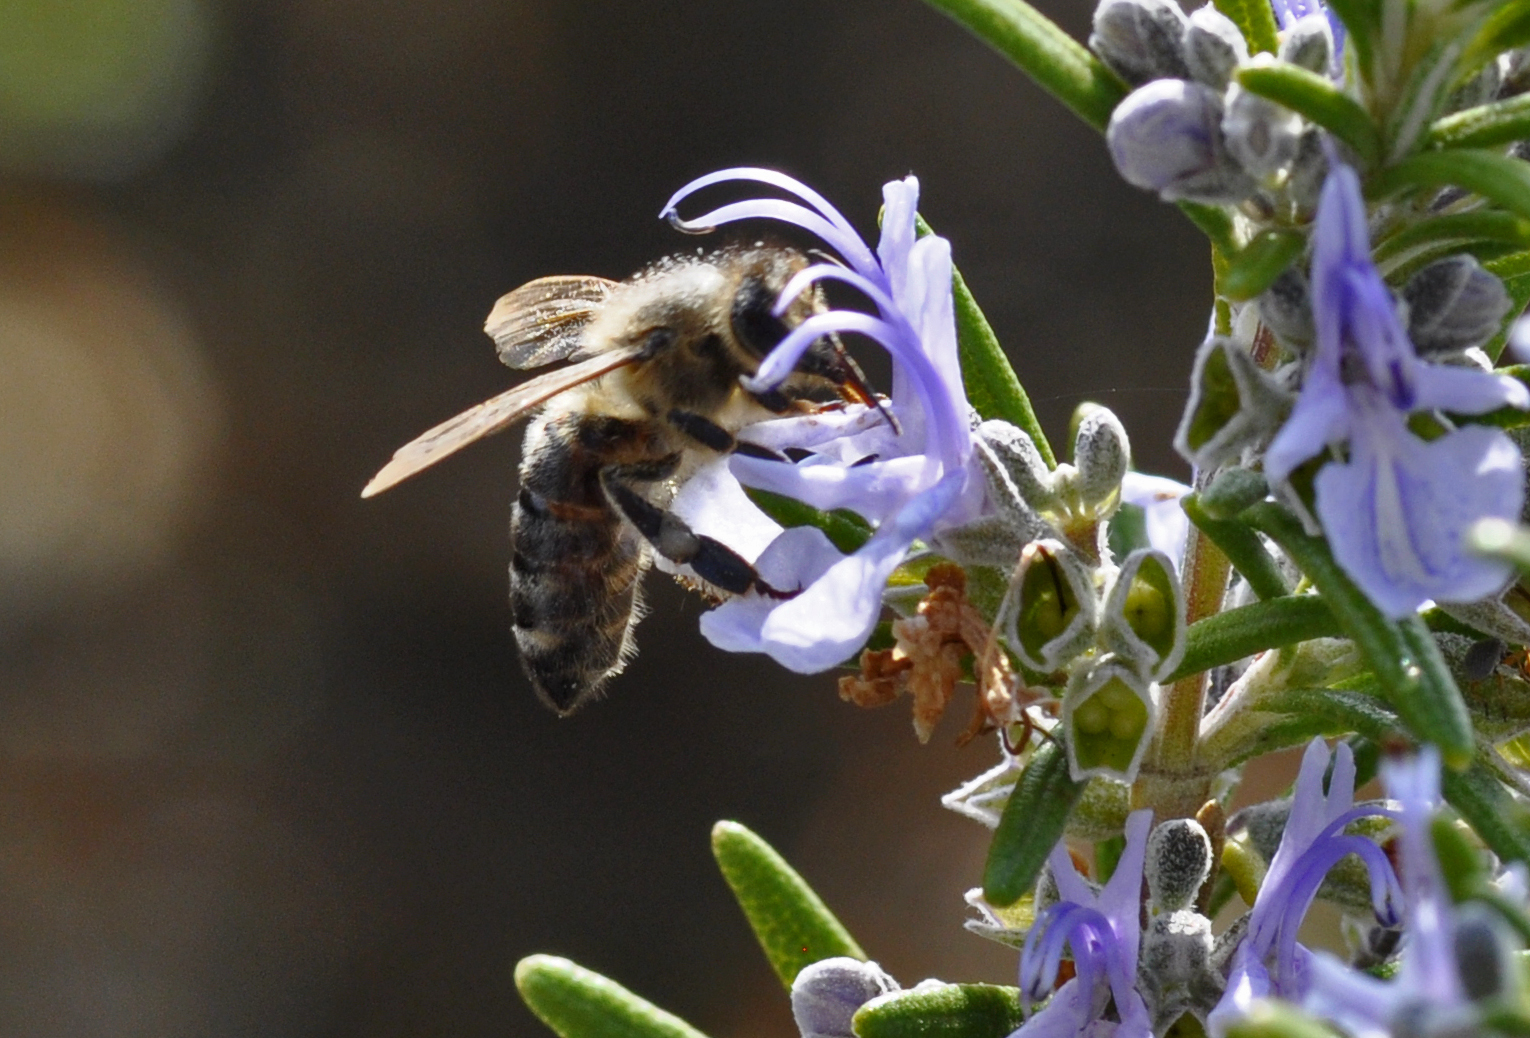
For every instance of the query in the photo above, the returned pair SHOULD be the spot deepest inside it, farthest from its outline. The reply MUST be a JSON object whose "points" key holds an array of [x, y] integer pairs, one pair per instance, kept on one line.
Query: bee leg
{"points": [[710, 559], [709, 434]]}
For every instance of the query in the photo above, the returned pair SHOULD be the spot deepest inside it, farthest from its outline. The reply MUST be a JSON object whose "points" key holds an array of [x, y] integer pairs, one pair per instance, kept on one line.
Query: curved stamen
{"points": [[819, 217], [1312, 869]]}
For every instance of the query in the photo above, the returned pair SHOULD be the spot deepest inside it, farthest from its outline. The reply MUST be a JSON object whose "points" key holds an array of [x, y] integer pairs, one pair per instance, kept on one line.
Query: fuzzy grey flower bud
{"points": [[1102, 455], [1263, 136], [1167, 137], [1486, 955], [1021, 460], [1286, 308], [1178, 862], [1453, 305], [827, 993], [1514, 72], [1308, 43], [1140, 39], [1304, 181], [1214, 46], [1478, 90]]}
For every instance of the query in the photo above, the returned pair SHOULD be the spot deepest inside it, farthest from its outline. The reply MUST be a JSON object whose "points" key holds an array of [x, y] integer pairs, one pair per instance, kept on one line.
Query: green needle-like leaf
{"points": [[1456, 227], [579, 1003], [1498, 178], [993, 388], [1256, 20], [1403, 655], [947, 1011], [792, 924], [1515, 272], [1492, 812], [1030, 826], [1055, 60], [1261, 261], [845, 530], [1230, 636], [1316, 97], [1485, 126], [1243, 549]]}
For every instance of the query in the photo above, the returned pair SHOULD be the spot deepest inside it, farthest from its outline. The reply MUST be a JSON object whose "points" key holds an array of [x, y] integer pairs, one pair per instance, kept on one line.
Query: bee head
{"points": [[759, 329]]}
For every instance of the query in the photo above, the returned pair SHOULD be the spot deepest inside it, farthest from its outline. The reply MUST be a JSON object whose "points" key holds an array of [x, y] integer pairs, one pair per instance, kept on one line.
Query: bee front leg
{"points": [[710, 559], [709, 434]]}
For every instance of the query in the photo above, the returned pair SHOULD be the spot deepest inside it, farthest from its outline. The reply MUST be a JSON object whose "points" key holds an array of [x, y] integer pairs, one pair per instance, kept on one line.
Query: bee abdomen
{"points": [[574, 571]]}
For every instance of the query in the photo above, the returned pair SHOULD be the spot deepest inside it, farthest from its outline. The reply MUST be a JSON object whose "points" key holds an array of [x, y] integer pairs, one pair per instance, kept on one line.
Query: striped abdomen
{"points": [[575, 564]]}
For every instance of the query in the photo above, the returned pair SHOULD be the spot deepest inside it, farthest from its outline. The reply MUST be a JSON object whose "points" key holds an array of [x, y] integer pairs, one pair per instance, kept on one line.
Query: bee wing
{"points": [[543, 320], [491, 416]]}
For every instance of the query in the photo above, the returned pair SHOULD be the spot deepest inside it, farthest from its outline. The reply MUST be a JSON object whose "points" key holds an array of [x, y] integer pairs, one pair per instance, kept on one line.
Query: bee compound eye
{"points": [[755, 325]]}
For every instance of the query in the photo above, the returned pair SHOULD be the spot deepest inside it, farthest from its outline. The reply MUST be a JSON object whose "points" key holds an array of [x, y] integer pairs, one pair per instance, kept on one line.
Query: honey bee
{"points": [[653, 389]]}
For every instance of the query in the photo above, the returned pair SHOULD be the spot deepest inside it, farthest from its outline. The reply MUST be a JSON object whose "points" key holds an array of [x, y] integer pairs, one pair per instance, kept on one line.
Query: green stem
{"points": [[1055, 60]]}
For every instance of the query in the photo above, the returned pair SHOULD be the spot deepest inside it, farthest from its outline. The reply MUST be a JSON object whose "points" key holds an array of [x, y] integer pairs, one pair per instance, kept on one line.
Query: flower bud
{"points": [[1143, 621], [1308, 43], [1021, 460], [1453, 305], [1140, 39], [1486, 954], [1214, 46], [1478, 90], [1233, 405], [1167, 137], [1178, 862], [1108, 714], [827, 993], [1261, 135], [1304, 182], [1055, 619], [1102, 454], [1286, 309]]}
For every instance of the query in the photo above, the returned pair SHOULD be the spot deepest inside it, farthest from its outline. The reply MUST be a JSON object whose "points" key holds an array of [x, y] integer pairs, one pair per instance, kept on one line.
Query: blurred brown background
{"points": [[267, 762]]}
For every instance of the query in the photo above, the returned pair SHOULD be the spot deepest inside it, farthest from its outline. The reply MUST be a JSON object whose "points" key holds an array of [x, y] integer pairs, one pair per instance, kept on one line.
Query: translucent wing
{"points": [[544, 320], [491, 416]]}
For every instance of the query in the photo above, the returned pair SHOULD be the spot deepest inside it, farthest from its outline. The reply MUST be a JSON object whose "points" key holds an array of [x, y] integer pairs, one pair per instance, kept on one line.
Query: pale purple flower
{"points": [[1397, 510], [1268, 962], [1428, 983], [1104, 930], [918, 480], [1167, 524]]}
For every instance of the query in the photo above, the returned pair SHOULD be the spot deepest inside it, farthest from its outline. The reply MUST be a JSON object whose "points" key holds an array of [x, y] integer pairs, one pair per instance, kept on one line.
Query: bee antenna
{"points": [[855, 381], [827, 257]]}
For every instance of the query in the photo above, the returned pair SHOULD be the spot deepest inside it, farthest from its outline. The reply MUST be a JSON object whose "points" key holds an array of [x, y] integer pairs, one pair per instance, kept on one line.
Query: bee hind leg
{"points": [[708, 558]]}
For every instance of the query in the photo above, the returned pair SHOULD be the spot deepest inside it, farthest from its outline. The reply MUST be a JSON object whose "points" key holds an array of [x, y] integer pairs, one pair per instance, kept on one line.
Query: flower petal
{"points": [[1397, 512], [873, 490], [1167, 524], [1320, 417], [1467, 390]]}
